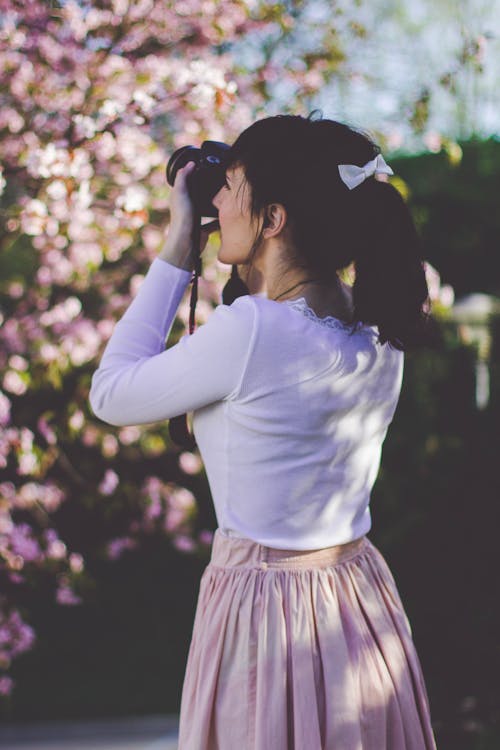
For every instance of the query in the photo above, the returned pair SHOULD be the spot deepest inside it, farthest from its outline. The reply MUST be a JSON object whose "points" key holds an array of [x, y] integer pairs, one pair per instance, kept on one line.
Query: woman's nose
{"points": [[216, 199]]}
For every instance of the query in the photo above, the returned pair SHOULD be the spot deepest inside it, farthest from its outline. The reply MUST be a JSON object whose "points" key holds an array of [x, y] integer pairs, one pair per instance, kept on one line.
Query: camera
{"points": [[203, 184], [207, 177]]}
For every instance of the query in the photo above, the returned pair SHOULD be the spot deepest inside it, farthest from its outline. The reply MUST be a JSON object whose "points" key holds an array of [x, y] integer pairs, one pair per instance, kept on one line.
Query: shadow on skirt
{"points": [[301, 650]]}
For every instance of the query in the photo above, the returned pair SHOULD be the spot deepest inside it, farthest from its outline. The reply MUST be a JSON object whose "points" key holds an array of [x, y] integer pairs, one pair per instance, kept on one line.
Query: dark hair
{"points": [[293, 160]]}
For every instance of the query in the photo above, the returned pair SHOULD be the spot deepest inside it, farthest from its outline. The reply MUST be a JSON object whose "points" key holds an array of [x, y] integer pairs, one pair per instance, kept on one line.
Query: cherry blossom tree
{"points": [[95, 97]]}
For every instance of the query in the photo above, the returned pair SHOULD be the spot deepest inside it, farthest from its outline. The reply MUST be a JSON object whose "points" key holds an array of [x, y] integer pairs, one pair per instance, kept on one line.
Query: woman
{"points": [[300, 639]]}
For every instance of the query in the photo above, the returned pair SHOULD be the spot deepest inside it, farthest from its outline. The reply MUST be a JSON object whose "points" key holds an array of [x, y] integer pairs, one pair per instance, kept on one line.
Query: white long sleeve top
{"points": [[289, 410]]}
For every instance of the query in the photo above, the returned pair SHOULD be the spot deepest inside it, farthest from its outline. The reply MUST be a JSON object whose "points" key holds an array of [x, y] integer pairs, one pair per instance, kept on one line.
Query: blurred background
{"points": [[105, 532]]}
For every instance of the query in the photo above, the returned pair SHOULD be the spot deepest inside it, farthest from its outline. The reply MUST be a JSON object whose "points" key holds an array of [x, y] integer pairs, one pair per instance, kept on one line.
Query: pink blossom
{"points": [[47, 431], [18, 363], [116, 547], [15, 562], [105, 328], [109, 446], [14, 383], [26, 437], [49, 353], [152, 238], [16, 636], [12, 335], [15, 289], [6, 685], [48, 161], [59, 266], [15, 577], [8, 491], [22, 635], [109, 483], [4, 635], [447, 295], [28, 463], [105, 146], [63, 312], [190, 463], [157, 493], [64, 595], [57, 190], [206, 537], [52, 497], [12, 225], [73, 15], [5, 405], [4, 452], [76, 420], [135, 198], [129, 435], [153, 486], [56, 550], [433, 141], [154, 509], [182, 499], [183, 543], [6, 523], [76, 562], [135, 283], [34, 217], [81, 342], [24, 544], [48, 495], [9, 437], [174, 518], [82, 254], [28, 494], [50, 535], [90, 435]]}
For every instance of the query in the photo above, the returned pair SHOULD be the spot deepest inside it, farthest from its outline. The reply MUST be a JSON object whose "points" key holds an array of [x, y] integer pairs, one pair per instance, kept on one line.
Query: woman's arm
{"points": [[138, 381]]}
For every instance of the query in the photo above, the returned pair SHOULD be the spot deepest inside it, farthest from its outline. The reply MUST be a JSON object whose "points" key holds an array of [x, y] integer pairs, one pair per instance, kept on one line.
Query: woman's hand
{"points": [[181, 207], [177, 248]]}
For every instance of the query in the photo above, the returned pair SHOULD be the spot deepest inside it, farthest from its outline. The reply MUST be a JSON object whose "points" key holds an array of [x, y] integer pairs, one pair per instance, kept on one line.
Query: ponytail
{"points": [[390, 288]]}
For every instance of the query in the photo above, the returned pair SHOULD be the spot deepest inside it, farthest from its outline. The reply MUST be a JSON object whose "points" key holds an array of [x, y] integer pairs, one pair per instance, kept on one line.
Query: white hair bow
{"points": [[353, 175]]}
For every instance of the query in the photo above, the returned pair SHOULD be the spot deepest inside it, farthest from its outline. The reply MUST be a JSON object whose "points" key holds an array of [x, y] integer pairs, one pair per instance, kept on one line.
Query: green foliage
{"points": [[455, 204]]}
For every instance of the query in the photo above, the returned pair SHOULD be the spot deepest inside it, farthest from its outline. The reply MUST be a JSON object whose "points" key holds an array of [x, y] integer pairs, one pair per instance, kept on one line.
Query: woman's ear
{"points": [[274, 220]]}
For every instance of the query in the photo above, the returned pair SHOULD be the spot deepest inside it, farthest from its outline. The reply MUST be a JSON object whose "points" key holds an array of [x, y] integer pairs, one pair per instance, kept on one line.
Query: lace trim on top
{"points": [[330, 321]]}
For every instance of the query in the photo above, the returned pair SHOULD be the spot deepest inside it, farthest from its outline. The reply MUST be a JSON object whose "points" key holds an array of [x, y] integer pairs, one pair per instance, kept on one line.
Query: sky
{"points": [[406, 56], [409, 46]]}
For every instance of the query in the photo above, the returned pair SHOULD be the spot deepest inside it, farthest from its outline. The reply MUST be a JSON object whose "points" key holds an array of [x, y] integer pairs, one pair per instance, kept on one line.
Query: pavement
{"points": [[144, 732]]}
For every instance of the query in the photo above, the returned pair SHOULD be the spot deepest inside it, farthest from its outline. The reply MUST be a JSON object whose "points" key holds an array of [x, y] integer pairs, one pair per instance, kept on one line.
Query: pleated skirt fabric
{"points": [[301, 650]]}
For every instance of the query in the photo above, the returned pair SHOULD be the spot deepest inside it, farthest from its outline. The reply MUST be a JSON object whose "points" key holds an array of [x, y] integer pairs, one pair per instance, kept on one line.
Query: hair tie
{"points": [[353, 175]]}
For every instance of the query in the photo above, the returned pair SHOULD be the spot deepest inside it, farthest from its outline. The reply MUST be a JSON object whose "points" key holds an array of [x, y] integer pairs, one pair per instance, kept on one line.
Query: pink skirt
{"points": [[301, 650]]}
